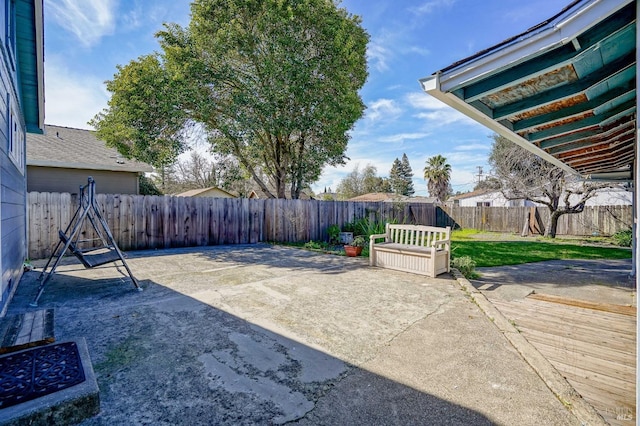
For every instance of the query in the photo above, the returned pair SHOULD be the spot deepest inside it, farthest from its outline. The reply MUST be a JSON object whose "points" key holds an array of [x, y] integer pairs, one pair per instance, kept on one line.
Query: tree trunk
{"points": [[552, 227]]}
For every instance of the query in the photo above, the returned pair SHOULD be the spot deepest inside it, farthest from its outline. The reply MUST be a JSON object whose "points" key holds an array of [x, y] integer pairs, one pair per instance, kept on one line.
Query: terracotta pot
{"points": [[352, 251]]}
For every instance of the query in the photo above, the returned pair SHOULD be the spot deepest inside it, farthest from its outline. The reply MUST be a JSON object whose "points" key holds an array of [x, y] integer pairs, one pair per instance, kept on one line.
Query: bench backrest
{"points": [[416, 235]]}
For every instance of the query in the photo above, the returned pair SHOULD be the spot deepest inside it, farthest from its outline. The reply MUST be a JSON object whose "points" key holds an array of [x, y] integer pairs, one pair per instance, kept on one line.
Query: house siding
{"points": [[55, 179], [13, 226]]}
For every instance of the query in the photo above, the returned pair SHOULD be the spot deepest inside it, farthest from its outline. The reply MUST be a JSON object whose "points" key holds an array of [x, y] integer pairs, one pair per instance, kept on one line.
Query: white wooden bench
{"points": [[419, 249]]}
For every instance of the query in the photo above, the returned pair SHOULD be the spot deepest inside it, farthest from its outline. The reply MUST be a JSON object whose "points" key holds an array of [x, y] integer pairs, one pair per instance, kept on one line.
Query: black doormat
{"points": [[39, 371]]}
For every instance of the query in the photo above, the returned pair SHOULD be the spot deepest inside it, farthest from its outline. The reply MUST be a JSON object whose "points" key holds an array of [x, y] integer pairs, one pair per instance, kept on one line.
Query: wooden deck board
{"points": [[581, 347], [605, 321], [588, 362], [29, 329], [605, 307], [592, 345]]}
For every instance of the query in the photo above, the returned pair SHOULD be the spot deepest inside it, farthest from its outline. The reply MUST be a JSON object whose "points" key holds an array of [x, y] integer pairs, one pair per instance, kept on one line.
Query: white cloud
{"points": [[383, 109], [430, 6], [88, 20], [421, 100], [474, 147], [378, 56], [71, 99], [435, 112], [419, 50], [401, 137]]}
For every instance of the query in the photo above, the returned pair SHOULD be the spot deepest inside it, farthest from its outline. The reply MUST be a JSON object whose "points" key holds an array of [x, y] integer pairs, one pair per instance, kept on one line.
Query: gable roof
{"points": [[564, 89], [391, 197], [70, 148], [200, 191], [472, 194]]}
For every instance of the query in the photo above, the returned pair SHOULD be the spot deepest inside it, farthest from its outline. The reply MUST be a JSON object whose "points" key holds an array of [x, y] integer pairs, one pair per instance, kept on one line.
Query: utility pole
{"points": [[479, 173]]}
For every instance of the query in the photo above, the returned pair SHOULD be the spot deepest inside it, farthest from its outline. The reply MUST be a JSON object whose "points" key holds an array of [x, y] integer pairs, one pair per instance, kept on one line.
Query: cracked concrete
{"points": [[271, 335]]}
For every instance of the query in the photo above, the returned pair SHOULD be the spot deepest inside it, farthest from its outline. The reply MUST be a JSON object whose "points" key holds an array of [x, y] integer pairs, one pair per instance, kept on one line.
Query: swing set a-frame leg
{"points": [[67, 241]]}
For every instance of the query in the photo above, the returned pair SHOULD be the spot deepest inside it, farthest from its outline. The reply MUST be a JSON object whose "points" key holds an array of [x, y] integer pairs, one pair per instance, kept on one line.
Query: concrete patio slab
{"points": [[264, 334]]}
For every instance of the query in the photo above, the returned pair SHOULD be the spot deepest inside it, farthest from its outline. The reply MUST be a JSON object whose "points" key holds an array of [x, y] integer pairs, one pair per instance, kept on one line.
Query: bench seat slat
{"points": [[412, 248], [404, 248]]}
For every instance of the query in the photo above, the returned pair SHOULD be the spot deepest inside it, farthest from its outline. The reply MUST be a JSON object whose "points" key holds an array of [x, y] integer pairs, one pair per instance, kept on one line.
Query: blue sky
{"points": [[410, 39]]}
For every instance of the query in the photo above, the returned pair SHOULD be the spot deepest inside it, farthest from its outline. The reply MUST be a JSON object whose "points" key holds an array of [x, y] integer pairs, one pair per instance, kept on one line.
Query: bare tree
{"points": [[521, 175], [198, 171], [360, 182]]}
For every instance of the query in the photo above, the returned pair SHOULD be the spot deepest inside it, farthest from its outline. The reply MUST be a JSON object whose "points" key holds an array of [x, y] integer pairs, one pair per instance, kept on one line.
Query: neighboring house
{"points": [[618, 196], [61, 159], [390, 197], [21, 111], [212, 191], [486, 198]]}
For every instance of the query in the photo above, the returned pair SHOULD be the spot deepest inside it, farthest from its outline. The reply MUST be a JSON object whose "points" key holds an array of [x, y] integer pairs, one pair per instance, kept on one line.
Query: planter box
{"points": [[346, 237], [353, 251]]}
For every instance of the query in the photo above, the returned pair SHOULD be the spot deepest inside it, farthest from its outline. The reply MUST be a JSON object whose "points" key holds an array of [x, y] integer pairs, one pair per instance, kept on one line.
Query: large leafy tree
{"points": [[437, 173], [274, 83], [143, 120], [521, 175]]}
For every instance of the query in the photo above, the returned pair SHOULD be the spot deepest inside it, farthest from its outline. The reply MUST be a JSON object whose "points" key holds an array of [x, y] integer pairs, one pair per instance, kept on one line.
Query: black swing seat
{"points": [[94, 257]]}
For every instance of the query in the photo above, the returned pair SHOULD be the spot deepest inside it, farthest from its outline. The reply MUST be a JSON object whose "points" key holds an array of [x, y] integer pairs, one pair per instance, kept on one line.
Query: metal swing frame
{"points": [[69, 239]]}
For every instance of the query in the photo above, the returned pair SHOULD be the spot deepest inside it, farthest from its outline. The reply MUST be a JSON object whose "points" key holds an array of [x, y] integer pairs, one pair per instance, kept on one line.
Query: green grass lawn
{"points": [[487, 250]]}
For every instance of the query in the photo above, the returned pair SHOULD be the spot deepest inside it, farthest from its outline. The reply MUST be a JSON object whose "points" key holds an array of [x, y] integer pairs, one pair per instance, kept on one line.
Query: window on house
{"points": [[483, 204], [15, 138]]}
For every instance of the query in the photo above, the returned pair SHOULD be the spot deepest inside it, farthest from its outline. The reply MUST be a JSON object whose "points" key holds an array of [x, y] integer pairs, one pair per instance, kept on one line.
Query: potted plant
{"points": [[354, 248], [346, 236]]}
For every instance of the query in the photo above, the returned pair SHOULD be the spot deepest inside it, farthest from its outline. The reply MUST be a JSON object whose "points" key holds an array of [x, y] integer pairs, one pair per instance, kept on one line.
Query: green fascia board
{"points": [[28, 56], [586, 122], [567, 90], [576, 109], [548, 59], [623, 139]]}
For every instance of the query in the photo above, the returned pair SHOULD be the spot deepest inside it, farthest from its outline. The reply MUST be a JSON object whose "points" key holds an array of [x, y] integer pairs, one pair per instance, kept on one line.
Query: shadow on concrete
{"points": [[163, 357], [603, 281]]}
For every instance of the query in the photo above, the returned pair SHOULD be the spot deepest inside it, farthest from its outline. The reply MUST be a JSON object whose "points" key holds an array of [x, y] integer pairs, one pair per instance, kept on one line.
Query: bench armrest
{"points": [[446, 242], [375, 237]]}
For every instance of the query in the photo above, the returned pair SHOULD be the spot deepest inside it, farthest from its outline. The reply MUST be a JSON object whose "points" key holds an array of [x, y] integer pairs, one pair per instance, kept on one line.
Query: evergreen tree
{"points": [[407, 176], [396, 180], [401, 177]]}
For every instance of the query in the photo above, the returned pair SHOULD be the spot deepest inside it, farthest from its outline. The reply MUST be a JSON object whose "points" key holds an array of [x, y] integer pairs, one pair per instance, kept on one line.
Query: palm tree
{"points": [[437, 173]]}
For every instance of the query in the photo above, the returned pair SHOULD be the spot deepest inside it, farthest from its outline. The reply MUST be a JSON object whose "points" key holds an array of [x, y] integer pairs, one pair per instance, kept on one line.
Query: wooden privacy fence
{"points": [[599, 220], [146, 222]]}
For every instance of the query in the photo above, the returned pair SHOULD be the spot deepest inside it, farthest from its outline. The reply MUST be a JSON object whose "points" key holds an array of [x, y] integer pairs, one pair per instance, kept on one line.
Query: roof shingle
{"points": [[70, 148]]}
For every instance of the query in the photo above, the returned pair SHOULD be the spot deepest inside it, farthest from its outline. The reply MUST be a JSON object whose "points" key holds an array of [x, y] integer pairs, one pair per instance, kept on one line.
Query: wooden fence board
{"points": [[599, 220], [142, 222]]}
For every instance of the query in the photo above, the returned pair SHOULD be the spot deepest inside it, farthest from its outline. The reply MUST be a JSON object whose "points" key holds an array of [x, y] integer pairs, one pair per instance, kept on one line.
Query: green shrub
{"points": [[334, 234], [368, 227], [348, 227], [466, 266], [147, 187], [314, 245], [623, 238]]}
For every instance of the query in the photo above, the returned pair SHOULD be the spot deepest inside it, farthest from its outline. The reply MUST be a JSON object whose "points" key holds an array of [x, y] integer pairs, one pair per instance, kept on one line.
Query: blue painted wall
{"points": [[13, 223]]}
